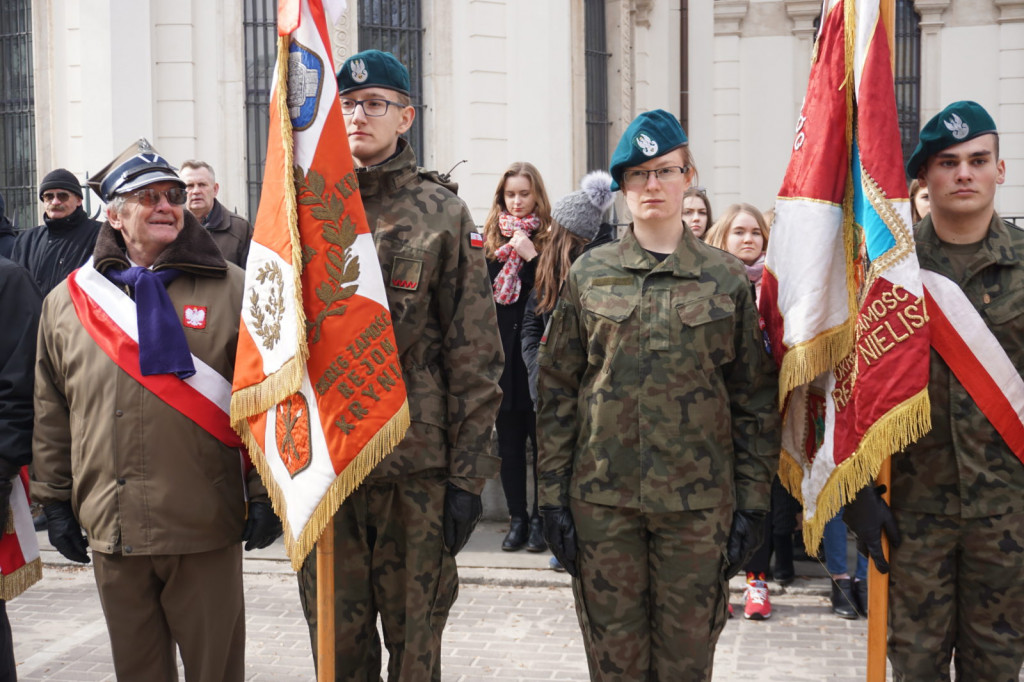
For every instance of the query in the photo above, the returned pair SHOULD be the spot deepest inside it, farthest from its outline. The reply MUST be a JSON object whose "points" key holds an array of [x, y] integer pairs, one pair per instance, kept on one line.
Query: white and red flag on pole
{"points": [[842, 297], [318, 394]]}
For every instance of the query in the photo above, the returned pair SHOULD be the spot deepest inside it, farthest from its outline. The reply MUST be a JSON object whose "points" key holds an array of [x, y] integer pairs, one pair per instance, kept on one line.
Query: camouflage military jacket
{"points": [[655, 391], [963, 466], [444, 321]]}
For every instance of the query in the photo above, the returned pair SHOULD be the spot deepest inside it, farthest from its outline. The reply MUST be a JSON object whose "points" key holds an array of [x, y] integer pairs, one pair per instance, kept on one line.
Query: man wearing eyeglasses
{"points": [[397, 535], [132, 443], [65, 239]]}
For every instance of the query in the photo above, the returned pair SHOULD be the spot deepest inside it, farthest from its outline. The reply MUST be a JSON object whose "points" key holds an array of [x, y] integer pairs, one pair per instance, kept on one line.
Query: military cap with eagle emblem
{"points": [[650, 135], [958, 122], [373, 69], [137, 166]]}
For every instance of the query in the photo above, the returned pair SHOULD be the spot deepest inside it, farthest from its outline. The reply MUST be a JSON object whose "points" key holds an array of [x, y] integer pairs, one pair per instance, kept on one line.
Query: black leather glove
{"points": [[866, 515], [65, 533], [462, 511], [7, 473], [745, 536], [262, 527], [560, 533]]}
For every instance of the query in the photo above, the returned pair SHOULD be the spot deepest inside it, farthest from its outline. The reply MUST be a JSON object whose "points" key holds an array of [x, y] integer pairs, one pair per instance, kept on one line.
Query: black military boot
{"points": [[518, 530], [536, 542], [844, 601]]}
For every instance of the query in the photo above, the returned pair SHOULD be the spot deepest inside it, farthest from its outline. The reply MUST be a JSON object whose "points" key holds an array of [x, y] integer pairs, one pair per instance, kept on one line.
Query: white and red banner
{"points": [[20, 565], [842, 297], [318, 391]]}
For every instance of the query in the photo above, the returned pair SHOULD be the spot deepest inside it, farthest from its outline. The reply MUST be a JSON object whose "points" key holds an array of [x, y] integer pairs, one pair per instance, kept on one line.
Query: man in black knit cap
{"points": [[65, 240]]}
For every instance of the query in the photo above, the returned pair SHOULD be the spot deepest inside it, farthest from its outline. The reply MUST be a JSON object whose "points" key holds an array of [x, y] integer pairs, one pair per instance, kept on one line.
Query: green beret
{"points": [[650, 135], [373, 68], [959, 122]]}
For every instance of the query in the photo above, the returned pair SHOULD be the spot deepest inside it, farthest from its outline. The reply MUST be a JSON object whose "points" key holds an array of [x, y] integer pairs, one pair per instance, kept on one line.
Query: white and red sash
{"points": [[109, 316], [20, 565], [965, 342]]}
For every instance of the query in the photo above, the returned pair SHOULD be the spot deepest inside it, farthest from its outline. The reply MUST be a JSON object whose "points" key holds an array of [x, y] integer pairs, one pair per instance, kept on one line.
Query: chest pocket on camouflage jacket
{"points": [[608, 307], [707, 329]]}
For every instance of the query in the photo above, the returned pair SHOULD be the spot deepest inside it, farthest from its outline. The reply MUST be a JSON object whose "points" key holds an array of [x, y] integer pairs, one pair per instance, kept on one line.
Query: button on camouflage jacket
{"points": [[963, 466], [655, 390], [444, 321]]}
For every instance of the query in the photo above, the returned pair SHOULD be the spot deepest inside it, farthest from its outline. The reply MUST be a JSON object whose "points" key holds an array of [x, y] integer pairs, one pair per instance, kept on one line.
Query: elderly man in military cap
{"points": [[132, 443], [65, 239], [657, 425], [397, 535], [956, 585]]}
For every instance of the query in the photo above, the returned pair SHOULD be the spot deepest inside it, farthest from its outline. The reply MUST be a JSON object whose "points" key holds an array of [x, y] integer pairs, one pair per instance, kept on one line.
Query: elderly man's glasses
{"points": [[371, 107], [635, 178], [176, 196], [59, 197]]}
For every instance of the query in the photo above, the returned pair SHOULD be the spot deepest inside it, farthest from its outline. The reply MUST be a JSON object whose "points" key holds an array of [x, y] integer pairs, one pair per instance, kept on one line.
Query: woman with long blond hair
{"points": [[515, 235], [743, 232]]}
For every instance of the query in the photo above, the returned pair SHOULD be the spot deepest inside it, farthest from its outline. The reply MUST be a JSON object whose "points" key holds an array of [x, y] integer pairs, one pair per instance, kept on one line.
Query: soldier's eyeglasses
{"points": [[371, 107], [635, 178], [176, 196], [59, 197]]}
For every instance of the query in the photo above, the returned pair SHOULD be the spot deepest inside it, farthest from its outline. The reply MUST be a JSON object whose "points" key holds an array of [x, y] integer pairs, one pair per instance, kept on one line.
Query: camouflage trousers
{"points": [[390, 560], [957, 591], [651, 598]]}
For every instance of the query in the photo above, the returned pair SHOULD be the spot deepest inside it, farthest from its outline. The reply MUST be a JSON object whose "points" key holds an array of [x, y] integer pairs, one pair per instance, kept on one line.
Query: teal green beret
{"points": [[959, 122], [650, 135], [373, 68]]}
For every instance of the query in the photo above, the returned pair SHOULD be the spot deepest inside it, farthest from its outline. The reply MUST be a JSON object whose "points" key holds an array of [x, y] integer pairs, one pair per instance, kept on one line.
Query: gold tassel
{"points": [[25, 577]]}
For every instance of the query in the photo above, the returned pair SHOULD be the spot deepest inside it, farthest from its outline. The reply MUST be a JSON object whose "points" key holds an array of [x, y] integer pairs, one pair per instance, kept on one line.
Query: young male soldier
{"points": [[128, 451], [232, 232], [657, 426], [397, 535], [957, 578]]}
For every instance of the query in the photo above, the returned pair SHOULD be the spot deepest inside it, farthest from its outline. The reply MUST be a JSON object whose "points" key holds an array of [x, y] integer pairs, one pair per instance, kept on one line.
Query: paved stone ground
{"points": [[521, 633]]}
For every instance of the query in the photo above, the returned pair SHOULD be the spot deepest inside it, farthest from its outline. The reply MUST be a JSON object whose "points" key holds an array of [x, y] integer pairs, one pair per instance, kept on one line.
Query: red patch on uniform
{"points": [[476, 240], [195, 316]]}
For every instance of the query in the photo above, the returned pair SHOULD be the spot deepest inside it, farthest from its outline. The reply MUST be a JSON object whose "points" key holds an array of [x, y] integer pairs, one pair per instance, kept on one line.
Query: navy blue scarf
{"points": [[163, 348]]}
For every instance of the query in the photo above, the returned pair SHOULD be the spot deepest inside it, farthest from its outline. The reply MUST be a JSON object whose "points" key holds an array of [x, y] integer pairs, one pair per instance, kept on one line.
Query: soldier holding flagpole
{"points": [[957, 505]]}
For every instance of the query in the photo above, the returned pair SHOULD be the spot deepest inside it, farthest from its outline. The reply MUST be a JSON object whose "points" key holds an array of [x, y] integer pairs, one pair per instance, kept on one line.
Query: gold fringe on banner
{"points": [[895, 430], [25, 577], [383, 442]]}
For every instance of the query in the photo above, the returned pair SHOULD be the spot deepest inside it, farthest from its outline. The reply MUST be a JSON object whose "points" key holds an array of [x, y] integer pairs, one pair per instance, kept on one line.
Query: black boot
{"points": [[518, 529], [783, 571], [844, 601], [536, 542], [860, 588]]}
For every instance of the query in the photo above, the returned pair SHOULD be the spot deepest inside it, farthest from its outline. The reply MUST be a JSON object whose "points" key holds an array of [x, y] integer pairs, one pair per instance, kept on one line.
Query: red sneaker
{"points": [[756, 604]]}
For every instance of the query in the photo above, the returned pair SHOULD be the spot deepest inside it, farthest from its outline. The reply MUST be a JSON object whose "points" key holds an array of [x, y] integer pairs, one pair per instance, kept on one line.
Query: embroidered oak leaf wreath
{"points": [[267, 316], [339, 232]]}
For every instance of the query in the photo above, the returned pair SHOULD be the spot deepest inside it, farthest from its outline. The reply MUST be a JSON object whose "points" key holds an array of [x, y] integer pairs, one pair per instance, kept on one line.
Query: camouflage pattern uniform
{"points": [[957, 580], [656, 420], [390, 551]]}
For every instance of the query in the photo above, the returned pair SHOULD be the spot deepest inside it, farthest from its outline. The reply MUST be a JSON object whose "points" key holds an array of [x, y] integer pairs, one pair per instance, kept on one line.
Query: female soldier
{"points": [[657, 425]]}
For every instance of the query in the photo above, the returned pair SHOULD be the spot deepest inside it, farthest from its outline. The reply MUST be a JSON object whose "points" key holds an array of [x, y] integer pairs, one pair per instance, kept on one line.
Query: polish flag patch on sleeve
{"points": [[476, 240]]}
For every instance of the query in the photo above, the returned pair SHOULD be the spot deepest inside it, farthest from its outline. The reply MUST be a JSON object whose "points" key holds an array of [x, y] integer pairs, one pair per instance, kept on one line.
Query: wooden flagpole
{"points": [[325, 604], [878, 583]]}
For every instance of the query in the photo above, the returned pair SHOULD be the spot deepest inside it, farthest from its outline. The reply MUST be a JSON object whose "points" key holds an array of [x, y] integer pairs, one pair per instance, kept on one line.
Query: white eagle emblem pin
{"points": [[358, 69], [957, 127], [646, 144], [195, 316]]}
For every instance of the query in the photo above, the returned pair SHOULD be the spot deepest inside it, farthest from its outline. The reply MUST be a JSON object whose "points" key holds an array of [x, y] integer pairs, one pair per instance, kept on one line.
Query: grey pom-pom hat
{"points": [[580, 212]]}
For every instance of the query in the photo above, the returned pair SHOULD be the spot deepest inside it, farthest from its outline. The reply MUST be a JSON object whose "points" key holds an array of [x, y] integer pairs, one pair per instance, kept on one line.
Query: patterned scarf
{"points": [[508, 284]]}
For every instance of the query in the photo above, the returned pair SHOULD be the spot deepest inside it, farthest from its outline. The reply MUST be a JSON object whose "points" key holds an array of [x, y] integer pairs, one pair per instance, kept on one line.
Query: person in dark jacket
{"points": [[6, 231], [52, 251], [575, 227], [232, 232], [20, 303], [515, 233]]}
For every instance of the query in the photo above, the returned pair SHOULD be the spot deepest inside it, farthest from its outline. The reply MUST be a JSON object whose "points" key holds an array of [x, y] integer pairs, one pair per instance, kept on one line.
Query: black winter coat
{"points": [[52, 251], [20, 303], [514, 380]]}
